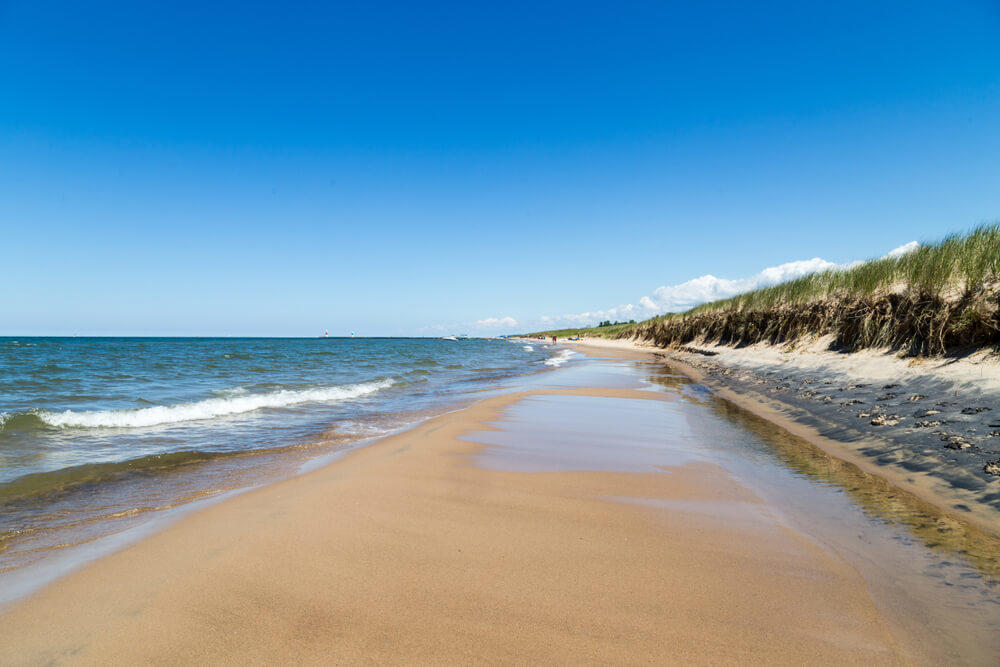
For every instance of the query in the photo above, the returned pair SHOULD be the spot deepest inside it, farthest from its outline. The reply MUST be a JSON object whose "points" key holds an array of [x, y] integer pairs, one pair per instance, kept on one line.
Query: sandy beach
{"points": [[926, 424], [433, 546], [444, 333]]}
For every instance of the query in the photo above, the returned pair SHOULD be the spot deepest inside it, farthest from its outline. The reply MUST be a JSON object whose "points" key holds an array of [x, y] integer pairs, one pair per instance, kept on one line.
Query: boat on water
{"points": [[448, 338]]}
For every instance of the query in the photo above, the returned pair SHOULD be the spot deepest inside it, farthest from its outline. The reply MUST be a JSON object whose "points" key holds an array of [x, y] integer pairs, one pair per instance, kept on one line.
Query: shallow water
{"points": [[98, 434], [936, 575]]}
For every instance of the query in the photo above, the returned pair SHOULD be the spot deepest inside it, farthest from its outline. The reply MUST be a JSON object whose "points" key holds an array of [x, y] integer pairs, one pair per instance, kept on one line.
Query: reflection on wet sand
{"points": [[875, 496]]}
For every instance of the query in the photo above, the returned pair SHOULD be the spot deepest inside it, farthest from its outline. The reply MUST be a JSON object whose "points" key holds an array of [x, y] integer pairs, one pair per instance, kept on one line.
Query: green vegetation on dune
{"points": [[605, 331], [959, 263], [940, 297]]}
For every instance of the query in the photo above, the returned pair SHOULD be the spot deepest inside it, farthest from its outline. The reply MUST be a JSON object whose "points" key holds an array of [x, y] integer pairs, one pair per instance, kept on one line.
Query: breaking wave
{"points": [[208, 408], [561, 358]]}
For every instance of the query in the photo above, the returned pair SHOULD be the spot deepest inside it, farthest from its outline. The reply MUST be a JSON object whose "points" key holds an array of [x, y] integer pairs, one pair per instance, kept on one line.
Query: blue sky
{"points": [[398, 168]]}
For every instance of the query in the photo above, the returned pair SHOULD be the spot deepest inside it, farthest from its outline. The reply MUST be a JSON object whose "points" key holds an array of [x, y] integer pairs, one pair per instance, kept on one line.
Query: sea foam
{"points": [[561, 358], [208, 408]]}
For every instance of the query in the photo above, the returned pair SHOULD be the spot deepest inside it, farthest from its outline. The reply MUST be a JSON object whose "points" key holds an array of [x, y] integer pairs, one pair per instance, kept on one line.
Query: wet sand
{"points": [[930, 426], [481, 536]]}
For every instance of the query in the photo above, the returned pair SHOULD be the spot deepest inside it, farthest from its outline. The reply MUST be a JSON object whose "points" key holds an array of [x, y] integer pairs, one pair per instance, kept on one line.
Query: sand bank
{"points": [[423, 548]]}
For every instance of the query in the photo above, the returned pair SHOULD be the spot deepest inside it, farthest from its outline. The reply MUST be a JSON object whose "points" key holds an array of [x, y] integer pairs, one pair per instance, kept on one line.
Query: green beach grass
{"points": [[611, 331], [941, 297]]}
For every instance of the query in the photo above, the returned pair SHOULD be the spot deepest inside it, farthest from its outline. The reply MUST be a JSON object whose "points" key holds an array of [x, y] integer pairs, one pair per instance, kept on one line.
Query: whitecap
{"points": [[208, 408], [560, 359]]}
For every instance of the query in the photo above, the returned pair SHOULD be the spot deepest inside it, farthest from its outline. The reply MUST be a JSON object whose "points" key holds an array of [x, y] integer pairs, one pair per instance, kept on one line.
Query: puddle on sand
{"points": [[937, 576], [549, 433]]}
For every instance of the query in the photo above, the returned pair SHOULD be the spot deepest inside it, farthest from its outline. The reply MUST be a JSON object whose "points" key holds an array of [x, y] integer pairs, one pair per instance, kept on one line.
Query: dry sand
{"points": [[407, 552]]}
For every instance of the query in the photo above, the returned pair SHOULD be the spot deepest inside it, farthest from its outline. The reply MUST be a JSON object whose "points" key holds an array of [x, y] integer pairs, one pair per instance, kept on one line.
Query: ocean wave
{"points": [[560, 359], [19, 421], [208, 408], [529, 348]]}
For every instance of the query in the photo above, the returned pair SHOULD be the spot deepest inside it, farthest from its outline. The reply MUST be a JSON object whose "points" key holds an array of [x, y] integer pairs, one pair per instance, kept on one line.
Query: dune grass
{"points": [[968, 263], [611, 331], [941, 297]]}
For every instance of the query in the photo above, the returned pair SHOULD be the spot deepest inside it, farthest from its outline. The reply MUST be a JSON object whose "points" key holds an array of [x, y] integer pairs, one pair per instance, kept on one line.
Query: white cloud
{"points": [[674, 298], [710, 288], [669, 298], [903, 249], [647, 303], [680, 297], [496, 323]]}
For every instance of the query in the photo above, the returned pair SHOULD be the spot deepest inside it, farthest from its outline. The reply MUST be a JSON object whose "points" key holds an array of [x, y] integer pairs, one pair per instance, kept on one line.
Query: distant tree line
{"points": [[609, 323]]}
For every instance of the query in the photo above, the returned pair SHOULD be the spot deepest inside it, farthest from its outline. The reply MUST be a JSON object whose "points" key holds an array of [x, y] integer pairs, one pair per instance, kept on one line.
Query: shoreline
{"points": [[414, 547], [67, 514], [743, 377]]}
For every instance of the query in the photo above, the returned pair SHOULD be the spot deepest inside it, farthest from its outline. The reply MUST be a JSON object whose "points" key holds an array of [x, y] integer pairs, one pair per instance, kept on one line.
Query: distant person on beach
{"points": [[553, 339]]}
